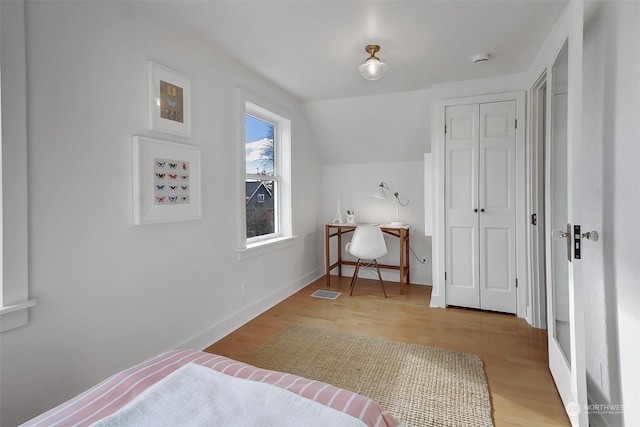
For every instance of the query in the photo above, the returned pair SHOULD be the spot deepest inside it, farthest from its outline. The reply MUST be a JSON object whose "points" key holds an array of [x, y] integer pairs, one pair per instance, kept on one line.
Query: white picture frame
{"points": [[169, 101], [166, 181]]}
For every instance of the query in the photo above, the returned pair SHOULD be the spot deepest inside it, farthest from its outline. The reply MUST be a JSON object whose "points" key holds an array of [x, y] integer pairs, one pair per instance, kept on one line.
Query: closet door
{"points": [[480, 157], [461, 201], [497, 201]]}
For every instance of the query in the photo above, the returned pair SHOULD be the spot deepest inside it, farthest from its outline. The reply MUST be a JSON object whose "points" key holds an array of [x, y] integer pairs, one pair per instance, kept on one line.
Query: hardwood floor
{"points": [[514, 354]]}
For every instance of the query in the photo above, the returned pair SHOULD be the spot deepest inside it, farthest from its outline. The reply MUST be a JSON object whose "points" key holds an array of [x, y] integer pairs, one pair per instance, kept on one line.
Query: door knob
{"points": [[559, 234], [591, 235]]}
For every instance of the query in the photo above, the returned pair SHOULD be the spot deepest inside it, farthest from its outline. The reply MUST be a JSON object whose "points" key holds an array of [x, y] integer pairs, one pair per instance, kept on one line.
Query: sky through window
{"points": [[258, 140]]}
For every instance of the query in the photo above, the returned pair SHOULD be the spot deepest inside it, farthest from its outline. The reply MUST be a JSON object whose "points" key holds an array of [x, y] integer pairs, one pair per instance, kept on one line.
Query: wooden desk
{"points": [[337, 230]]}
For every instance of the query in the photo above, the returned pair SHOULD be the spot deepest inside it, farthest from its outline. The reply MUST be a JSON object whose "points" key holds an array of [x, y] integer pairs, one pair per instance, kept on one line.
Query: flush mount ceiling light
{"points": [[373, 68]]}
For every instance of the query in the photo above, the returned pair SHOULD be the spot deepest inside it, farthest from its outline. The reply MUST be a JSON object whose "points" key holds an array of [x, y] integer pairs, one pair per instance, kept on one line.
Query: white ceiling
{"points": [[312, 48]]}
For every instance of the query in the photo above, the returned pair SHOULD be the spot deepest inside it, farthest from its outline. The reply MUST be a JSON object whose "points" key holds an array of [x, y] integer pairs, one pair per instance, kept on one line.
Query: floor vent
{"points": [[326, 294]]}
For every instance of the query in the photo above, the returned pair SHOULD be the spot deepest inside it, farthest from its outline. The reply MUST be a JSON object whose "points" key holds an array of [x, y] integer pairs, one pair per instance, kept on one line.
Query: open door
{"points": [[565, 319]]}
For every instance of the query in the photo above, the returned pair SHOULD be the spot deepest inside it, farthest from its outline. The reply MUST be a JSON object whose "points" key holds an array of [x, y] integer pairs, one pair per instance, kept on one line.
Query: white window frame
{"points": [[14, 284], [276, 178], [283, 235]]}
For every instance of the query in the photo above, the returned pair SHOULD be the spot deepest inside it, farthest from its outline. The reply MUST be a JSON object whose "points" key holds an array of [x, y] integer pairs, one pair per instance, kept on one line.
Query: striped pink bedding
{"points": [[116, 391]]}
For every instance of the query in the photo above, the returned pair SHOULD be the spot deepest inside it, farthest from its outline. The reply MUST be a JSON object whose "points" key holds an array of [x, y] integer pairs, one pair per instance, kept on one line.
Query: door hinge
{"points": [[516, 123], [534, 219], [445, 275], [516, 282], [445, 129]]}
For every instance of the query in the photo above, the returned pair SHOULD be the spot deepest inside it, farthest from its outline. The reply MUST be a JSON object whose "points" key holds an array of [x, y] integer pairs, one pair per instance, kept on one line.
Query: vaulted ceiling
{"points": [[312, 48]]}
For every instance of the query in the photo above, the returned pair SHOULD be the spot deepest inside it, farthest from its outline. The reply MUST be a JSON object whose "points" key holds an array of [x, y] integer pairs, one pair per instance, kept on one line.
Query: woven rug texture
{"points": [[421, 386]]}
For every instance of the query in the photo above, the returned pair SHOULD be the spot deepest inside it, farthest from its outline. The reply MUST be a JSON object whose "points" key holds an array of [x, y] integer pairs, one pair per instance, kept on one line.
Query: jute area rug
{"points": [[421, 386]]}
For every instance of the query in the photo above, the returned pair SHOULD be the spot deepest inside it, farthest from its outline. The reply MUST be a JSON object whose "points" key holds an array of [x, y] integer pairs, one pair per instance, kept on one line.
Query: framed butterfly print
{"points": [[169, 101], [166, 181]]}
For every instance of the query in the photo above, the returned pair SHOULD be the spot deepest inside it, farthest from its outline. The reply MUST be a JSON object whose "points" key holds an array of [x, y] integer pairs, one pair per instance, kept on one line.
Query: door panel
{"points": [[462, 126], [498, 186], [497, 243], [464, 265], [461, 178], [461, 201], [566, 335], [497, 206], [496, 124], [558, 207]]}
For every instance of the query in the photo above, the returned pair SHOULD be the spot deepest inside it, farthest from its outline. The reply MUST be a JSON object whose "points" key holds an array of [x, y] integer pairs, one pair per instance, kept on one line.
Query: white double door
{"points": [[480, 200]]}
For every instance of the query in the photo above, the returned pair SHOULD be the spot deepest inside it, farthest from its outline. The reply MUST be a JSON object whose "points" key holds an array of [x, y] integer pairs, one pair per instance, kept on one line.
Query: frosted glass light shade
{"points": [[373, 69]]}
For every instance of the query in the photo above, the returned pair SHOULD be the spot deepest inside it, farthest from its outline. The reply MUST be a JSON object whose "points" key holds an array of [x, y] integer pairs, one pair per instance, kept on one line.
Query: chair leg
{"points": [[355, 277], [380, 277]]}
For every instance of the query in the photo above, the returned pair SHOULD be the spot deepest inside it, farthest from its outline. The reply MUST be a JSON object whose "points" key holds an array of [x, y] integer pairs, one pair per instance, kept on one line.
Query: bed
{"points": [[119, 397]]}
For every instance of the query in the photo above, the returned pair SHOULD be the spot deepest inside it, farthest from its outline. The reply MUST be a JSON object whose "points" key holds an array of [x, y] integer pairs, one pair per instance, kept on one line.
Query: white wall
{"points": [[601, 362], [110, 293], [370, 129], [612, 64], [355, 183]]}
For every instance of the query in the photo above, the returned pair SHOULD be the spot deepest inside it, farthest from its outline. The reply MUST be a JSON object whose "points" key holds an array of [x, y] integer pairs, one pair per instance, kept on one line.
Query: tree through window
{"points": [[267, 169], [261, 180]]}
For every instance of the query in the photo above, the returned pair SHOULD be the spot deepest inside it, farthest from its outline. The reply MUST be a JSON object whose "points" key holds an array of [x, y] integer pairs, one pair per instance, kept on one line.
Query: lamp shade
{"points": [[380, 193], [373, 68]]}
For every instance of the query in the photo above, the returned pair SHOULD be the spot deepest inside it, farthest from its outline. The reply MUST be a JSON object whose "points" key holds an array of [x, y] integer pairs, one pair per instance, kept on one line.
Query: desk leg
{"points": [[402, 256], [327, 256], [340, 252], [408, 258]]}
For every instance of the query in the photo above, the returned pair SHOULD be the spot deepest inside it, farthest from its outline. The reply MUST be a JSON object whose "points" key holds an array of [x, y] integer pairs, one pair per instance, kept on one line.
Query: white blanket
{"points": [[198, 396]]}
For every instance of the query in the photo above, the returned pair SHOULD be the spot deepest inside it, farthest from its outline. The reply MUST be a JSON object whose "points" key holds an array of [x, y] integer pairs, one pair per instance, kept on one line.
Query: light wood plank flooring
{"points": [[514, 354]]}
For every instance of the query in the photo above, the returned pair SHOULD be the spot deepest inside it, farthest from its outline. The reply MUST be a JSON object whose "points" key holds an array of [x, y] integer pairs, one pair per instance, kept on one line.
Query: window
{"points": [[261, 176], [14, 292], [266, 140]]}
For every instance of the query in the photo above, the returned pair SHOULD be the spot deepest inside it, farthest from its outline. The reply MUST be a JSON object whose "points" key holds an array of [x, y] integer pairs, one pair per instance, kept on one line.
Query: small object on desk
{"points": [[338, 218], [351, 217]]}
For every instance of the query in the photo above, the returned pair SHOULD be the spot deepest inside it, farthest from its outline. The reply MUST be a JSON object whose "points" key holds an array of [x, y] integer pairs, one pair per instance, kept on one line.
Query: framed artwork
{"points": [[169, 101], [166, 181]]}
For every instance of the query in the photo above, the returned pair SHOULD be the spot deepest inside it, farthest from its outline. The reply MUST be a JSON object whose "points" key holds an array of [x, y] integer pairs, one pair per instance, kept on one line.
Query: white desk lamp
{"points": [[381, 193]]}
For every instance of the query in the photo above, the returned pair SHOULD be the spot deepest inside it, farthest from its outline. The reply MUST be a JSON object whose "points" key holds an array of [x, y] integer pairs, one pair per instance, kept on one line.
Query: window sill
{"points": [[258, 249], [15, 315]]}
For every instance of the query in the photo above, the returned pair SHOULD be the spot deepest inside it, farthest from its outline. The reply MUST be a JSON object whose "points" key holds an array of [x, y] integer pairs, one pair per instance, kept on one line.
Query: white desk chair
{"points": [[367, 244]]}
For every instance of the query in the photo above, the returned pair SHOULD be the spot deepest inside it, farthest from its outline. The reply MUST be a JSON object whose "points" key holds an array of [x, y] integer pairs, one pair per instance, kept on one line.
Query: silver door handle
{"points": [[559, 234]]}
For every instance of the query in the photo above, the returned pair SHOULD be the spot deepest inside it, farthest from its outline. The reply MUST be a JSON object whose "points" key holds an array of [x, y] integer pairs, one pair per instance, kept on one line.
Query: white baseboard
{"points": [[225, 326], [436, 300]]}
